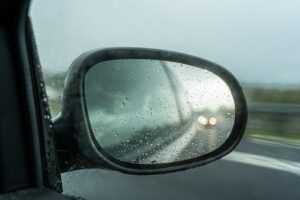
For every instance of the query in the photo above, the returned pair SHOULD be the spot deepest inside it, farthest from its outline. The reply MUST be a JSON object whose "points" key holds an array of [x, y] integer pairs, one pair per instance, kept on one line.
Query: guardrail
{"points": [[274, 109], [281, 118]]}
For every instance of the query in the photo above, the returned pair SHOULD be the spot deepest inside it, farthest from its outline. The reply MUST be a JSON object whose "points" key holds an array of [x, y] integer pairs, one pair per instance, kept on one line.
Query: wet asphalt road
{"points": [[223, 179], [192, 141]]}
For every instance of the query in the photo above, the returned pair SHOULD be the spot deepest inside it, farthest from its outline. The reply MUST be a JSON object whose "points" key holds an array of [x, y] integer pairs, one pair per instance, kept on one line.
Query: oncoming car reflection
{"points": [[207, 122]]}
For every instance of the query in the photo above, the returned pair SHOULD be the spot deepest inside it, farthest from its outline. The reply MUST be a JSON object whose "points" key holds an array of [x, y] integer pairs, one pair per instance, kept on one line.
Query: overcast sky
{"points": [[259, 41]]}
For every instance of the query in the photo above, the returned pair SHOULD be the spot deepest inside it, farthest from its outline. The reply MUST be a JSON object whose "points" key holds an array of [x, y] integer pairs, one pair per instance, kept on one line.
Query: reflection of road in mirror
{"points": [[187, 141], [147, 111]]}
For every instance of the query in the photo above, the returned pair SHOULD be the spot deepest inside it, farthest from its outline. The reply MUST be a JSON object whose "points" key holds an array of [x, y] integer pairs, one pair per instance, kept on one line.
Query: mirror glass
{"points": [[153, 112]]}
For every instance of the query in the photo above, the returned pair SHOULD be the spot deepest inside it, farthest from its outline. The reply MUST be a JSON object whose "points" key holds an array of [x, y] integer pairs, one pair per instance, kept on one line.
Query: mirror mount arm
{"points": [[69, 156]]}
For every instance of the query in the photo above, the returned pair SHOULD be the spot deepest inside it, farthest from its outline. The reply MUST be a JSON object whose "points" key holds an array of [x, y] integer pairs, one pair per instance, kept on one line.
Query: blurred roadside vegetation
{"points": [[255, 94], [274, 127], [54, 87], [278, 94]]}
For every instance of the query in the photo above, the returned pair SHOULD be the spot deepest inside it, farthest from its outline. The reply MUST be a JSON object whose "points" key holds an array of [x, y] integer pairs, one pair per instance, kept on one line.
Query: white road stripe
{"points": [[264, 161]]}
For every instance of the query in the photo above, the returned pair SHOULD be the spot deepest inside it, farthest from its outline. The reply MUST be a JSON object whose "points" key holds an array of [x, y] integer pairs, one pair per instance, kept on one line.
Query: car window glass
{"points": [[258, 41]]}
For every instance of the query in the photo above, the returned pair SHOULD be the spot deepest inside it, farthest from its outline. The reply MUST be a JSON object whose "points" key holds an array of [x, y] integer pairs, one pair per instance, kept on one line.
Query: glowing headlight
{"points": [[203, 120], [212, 121]]}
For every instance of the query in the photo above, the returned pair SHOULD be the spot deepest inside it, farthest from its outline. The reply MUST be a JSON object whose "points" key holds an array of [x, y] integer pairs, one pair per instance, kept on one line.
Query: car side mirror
{"points": [[147, 111]]}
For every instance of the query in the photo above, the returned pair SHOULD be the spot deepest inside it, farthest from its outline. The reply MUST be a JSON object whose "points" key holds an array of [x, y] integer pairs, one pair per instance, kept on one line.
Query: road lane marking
{"points": [[264, 161]]}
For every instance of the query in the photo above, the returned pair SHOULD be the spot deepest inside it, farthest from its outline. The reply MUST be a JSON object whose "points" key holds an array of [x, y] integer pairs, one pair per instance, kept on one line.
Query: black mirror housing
{"points": [[76, 142]]}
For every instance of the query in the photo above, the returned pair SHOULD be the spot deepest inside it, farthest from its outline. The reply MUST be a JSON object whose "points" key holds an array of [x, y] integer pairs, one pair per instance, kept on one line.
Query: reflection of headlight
{"points": [[202, 120], [212, 121]]}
